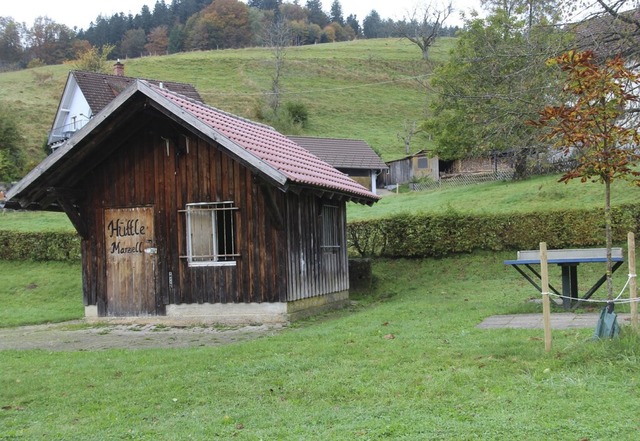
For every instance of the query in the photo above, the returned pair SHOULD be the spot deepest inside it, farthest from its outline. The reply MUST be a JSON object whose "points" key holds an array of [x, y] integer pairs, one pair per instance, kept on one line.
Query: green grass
{"points": [[34, 293], [341, 376], [542, 193], [33, 221], [360, 89]]}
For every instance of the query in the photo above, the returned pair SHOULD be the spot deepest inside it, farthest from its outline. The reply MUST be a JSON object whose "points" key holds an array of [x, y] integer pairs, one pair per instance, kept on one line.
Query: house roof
{"points": [[404, 158], [273, 156], [609, 36], [342, 153], [100, 89]]}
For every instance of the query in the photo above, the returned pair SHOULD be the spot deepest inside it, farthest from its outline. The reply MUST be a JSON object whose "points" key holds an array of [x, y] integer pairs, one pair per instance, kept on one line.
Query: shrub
{"points": [[40, 246], [437, 235], [297, 113]]}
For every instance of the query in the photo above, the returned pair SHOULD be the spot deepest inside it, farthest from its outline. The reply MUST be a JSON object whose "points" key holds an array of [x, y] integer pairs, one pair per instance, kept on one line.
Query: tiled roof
{"points": [[342, 153], [100, 89], [608, 36], [296, 163]]}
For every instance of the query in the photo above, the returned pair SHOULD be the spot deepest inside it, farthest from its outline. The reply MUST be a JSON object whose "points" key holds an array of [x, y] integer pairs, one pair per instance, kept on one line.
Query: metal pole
{"points": [[633, 282], [546, 302]]}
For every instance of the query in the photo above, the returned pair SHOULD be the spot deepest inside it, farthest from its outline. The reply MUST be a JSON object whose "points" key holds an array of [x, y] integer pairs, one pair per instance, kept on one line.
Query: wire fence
{"points": [[462, 180]]}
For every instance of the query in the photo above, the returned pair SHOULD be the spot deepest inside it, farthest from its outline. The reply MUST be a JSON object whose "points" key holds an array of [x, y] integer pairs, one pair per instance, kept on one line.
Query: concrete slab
{"points": [[563, 320]]}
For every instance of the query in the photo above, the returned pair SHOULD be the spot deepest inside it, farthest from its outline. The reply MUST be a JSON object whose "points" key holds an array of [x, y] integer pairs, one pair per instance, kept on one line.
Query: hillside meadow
{"points": [[362, 89]]}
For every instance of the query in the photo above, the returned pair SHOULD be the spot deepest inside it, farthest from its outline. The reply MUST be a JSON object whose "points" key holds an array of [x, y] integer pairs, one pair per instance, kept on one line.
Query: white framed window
{"points": [[211, 234], [331, 232]]}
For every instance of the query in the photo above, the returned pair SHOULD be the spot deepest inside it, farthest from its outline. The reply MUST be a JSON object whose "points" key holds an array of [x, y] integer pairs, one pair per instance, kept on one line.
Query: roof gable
{"points": [[342, 153], [270, 154]]}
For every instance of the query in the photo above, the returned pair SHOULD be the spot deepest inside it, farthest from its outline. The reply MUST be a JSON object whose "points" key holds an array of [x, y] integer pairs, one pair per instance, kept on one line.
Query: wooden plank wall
{"points": [[312, 270], [140, 173]]}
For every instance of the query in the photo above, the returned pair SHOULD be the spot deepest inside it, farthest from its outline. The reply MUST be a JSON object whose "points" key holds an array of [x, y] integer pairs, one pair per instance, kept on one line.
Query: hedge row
{"points": [[407, 235], [62, 246], [436, 235]]}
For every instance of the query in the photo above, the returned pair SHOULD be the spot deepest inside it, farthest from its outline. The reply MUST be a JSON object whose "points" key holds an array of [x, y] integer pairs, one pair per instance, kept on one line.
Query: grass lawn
{"points": [[540, 193], [41, 292], [406, 362]]}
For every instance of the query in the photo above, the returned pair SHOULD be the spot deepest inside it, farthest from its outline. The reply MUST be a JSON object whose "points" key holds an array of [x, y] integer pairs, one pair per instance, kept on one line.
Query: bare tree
{"points": [[277, 37], [423, 26], [409, 129]]}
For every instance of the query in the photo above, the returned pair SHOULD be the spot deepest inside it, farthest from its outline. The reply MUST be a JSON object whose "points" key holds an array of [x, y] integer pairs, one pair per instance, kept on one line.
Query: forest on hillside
{"points": [[188, 25]]}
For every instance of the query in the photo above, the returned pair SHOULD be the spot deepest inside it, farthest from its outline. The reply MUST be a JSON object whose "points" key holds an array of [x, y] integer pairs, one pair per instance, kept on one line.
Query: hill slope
{"points": [[361, 89]]}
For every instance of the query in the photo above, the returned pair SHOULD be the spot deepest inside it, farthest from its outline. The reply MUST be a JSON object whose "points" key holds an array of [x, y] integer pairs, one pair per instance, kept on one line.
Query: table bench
{"points": [[568, 260]]}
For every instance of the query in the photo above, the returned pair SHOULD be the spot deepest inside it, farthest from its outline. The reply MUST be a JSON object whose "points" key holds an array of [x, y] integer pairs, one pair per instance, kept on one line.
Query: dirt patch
{"points": [[78, 336]]}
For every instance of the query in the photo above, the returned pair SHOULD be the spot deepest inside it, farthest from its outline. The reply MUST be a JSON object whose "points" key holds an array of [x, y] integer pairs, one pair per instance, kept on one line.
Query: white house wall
{"points": [[73, 105]]}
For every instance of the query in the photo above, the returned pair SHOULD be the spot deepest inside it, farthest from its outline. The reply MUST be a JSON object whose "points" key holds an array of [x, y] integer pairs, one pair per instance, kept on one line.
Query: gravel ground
{"points": [[78, 336]]}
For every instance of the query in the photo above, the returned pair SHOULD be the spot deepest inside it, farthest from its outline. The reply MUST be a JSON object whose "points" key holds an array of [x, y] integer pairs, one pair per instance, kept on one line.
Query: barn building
{"points": [[191, 213]]}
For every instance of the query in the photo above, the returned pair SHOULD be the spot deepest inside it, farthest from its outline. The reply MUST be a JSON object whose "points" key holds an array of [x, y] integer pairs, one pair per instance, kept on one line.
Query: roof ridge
{"points": [[224, 112]]}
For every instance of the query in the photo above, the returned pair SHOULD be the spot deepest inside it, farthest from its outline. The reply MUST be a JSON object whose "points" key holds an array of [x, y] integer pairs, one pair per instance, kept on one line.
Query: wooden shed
{"points": [[189, 212], [416, 166]]}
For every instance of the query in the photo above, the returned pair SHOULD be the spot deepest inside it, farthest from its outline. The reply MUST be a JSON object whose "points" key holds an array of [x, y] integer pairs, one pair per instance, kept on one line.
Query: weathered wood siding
{"points": [[314, 271], [143, 171]]}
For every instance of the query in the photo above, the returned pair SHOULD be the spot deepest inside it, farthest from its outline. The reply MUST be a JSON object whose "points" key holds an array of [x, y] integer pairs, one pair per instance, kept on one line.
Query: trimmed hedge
{"points": [[406, 235], [61, 246], [437, 235]]}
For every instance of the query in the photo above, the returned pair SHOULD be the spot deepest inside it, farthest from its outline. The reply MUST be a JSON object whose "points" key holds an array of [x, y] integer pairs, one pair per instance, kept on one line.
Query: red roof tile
{"points": [[296, 163]]}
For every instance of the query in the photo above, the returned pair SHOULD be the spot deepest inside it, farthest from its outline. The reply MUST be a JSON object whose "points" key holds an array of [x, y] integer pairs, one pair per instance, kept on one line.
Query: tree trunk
{"points": [[609, 235], [520, 166]]}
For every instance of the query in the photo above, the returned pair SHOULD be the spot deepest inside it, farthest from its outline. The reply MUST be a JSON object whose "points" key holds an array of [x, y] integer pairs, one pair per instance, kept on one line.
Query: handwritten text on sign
{"points": [[127, 236]]}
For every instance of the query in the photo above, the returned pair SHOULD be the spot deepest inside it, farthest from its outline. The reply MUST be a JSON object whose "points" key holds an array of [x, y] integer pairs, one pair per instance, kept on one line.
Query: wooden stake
{"points": [[546, 302], [633, 282]]}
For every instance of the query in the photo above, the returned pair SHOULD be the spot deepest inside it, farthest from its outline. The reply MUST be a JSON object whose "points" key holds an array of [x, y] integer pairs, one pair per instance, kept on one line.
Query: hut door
{"points": [[131, 261]]}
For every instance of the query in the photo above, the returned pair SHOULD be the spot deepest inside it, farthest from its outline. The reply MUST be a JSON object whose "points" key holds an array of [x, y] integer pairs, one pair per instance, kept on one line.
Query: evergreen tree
{"points": [[336, 13]]}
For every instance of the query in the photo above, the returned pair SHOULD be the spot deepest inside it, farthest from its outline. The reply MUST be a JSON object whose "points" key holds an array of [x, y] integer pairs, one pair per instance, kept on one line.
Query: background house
{"points": [[416, 166], [353, 157], [87, 93], [189, 212]]}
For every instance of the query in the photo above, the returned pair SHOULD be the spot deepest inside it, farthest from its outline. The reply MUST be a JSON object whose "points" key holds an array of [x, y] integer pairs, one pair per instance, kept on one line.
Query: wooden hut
{"points": [[189, 212]]}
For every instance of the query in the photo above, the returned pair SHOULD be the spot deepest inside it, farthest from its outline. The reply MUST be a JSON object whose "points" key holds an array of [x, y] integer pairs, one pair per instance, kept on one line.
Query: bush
{"points": [[429, 235], [297, 113], [41, 246]]}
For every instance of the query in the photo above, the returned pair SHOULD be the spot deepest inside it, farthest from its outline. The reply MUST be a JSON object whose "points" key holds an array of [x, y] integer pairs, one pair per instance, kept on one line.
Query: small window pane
{"points": [[211, 233]]}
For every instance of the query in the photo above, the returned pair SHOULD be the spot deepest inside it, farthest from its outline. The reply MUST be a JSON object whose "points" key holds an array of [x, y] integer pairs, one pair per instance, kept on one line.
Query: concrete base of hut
{"points": [[232, 313]]}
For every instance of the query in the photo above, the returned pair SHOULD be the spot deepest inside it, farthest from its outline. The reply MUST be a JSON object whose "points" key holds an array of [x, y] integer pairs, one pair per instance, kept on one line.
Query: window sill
{"points": [[208, 264]]}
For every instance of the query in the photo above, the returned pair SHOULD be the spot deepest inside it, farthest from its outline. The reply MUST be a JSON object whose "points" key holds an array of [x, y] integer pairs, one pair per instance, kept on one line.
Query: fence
{"points": [[461, 180]]}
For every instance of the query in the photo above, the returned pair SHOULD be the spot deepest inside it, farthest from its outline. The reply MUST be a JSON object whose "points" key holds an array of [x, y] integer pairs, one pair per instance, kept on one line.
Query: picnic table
{"points": [[568, 260]]}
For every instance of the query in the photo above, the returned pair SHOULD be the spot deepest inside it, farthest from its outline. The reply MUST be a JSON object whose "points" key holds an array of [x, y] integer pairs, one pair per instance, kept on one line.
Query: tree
{"points": [[50, 42], [372, 26], [352, 22], [591, 126], [495, 80], [12, 158], [423, 27], [277, 37], [132, 44], [157, 41], [223, 24], [176, 39], [336, 13], [316, 14], [11, 48], [94, 59]]}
